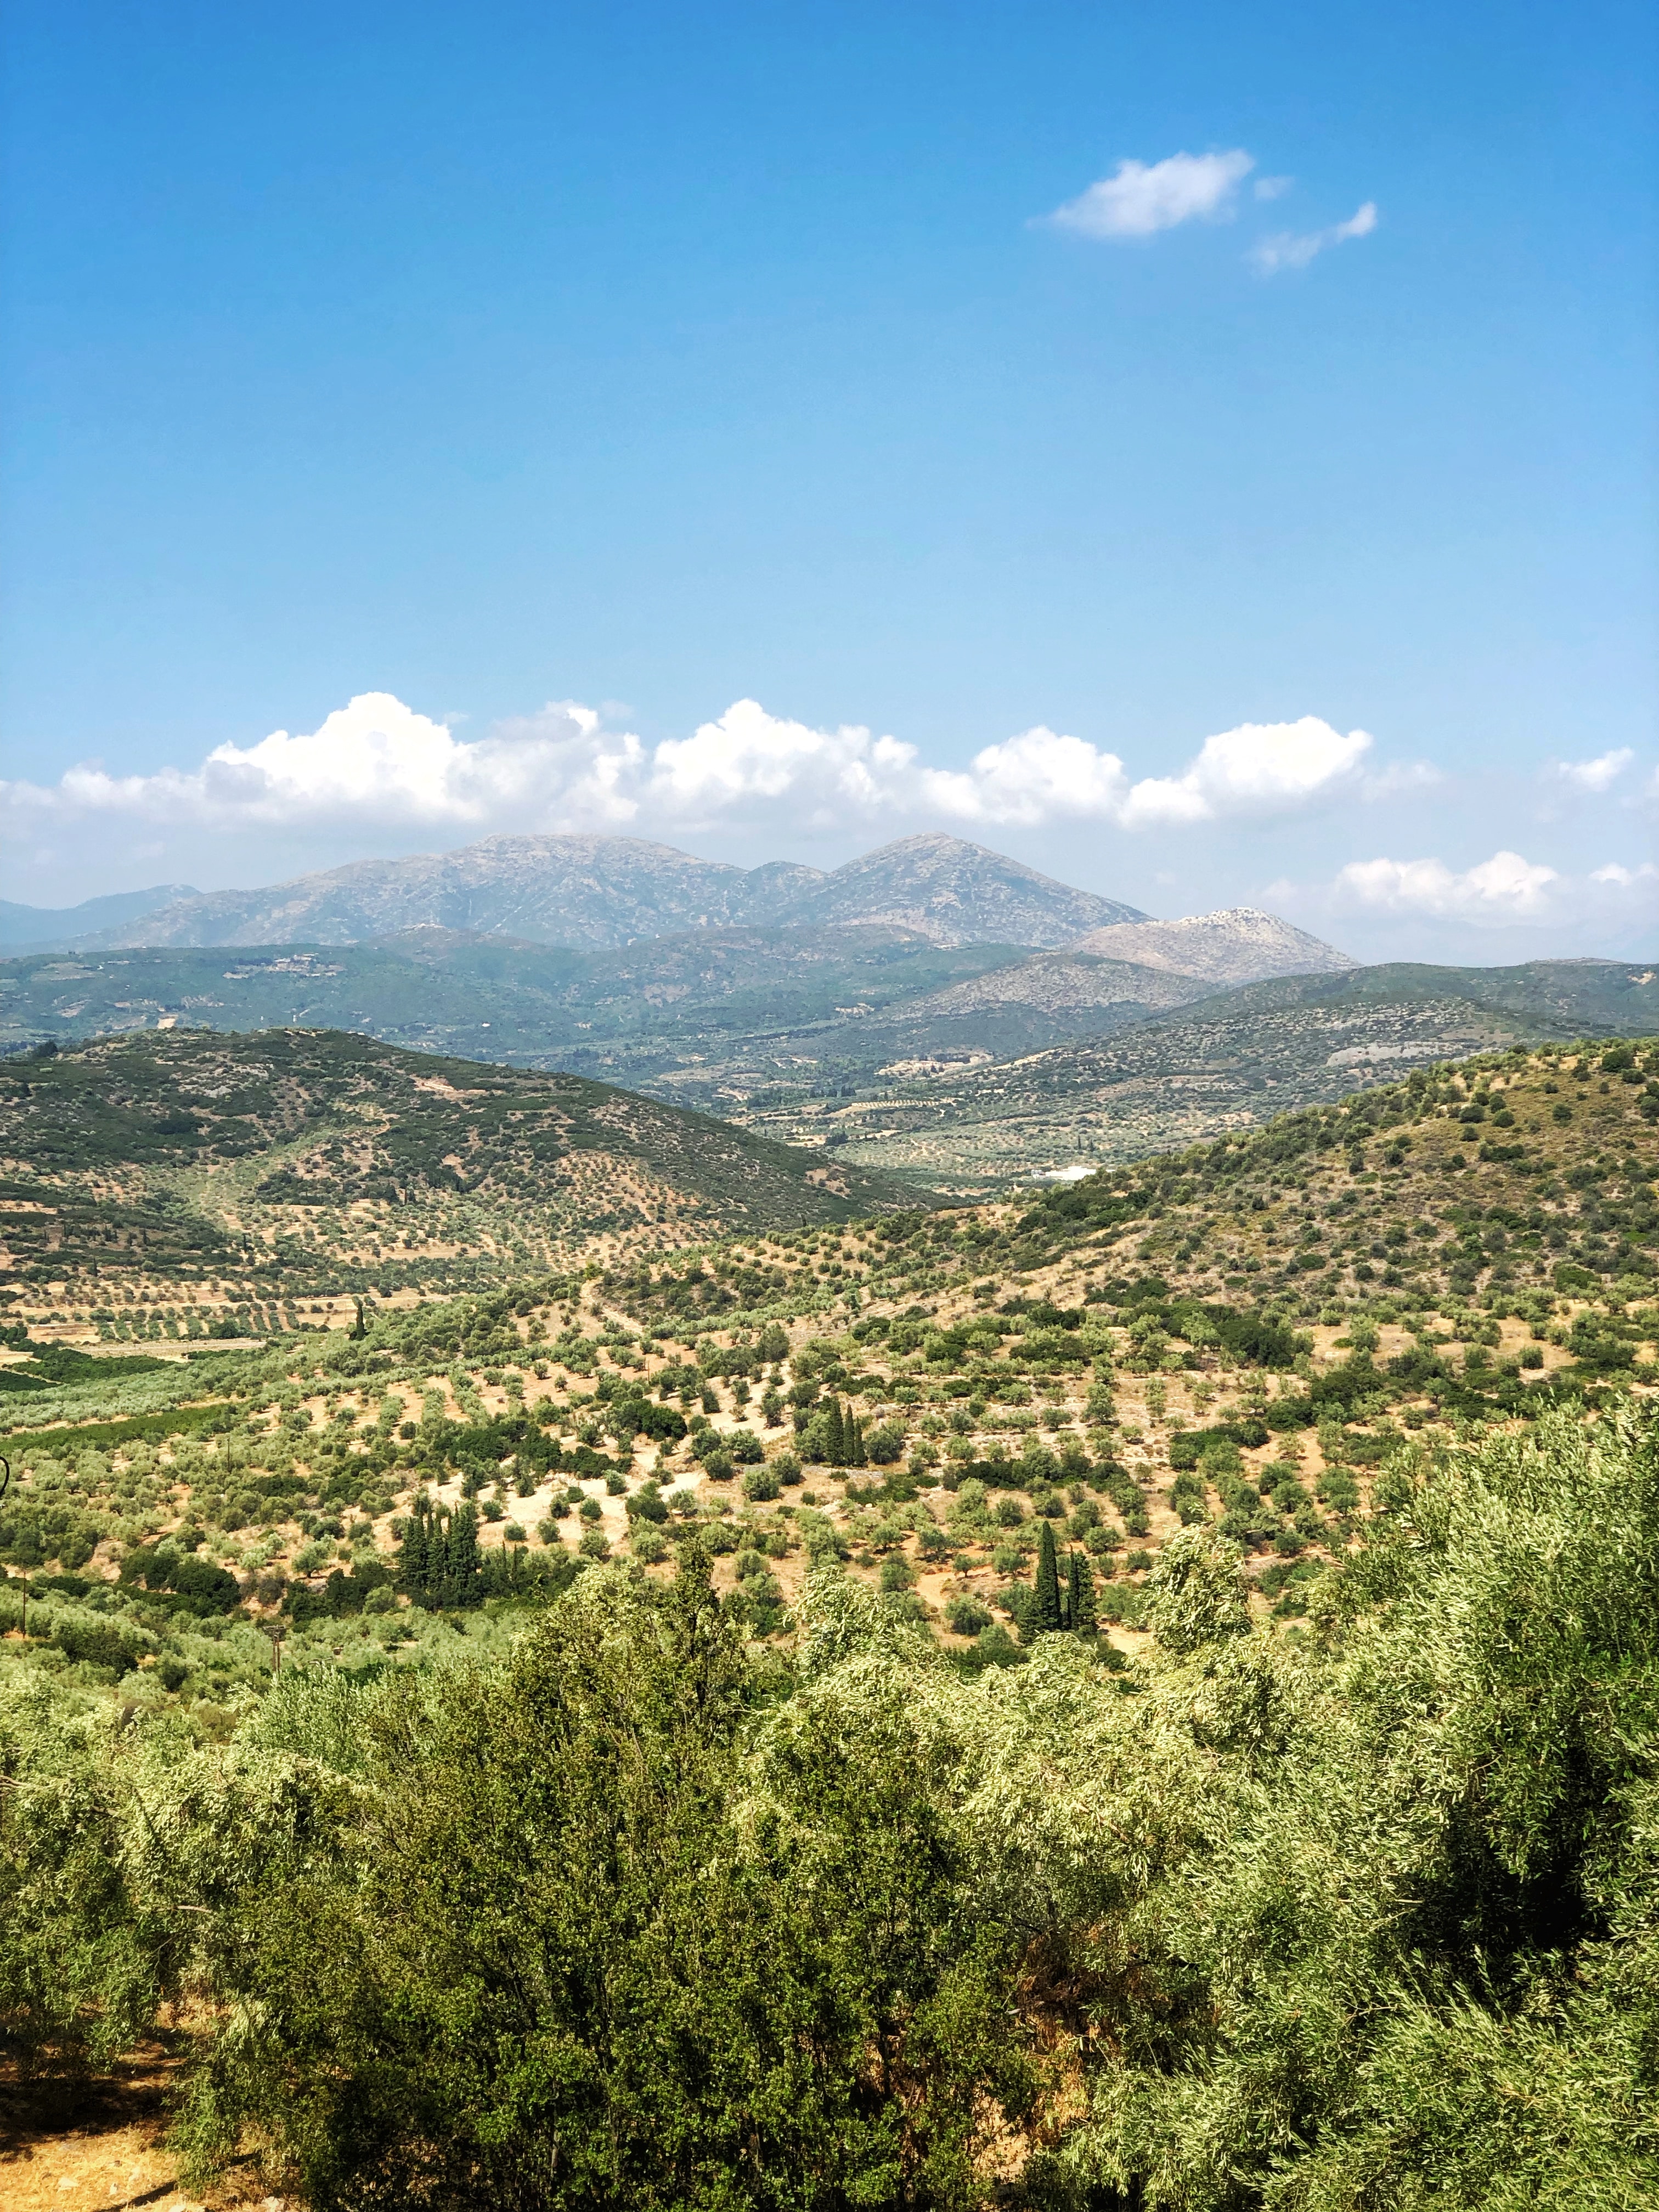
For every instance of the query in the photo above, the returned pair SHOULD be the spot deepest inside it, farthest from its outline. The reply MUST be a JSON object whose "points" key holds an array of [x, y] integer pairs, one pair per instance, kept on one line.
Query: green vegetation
{"points": [[209, 1182], [1163, 1081], [965, 1069], [1135, 1697], [627, 1916], [656, 1009]]}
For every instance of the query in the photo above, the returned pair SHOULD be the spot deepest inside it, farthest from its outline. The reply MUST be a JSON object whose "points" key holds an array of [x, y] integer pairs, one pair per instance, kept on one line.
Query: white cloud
{"points": [[1505, 890], [1141, 198], [1594, 775], [1036, 777], [374, 760], [377, 765], [1294, 249], [1271, 188], [1259, 768], [749, 755]]}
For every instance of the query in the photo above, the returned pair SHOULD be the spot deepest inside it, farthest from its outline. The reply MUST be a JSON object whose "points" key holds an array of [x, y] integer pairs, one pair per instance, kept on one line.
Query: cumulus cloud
{"points": [[749, 755], [1141, 198], [1504, 890], [373, 760], [1260, 767], [1595, 775], [1294, 249], [377, 764]]}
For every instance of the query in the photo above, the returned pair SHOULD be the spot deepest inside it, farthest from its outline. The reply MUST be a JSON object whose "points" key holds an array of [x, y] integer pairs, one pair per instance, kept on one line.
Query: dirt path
{"points": [[102, 2144]]}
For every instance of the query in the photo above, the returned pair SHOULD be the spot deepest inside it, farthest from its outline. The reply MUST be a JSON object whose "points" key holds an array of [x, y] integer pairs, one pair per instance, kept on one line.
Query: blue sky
{"points": [[659, 358]]}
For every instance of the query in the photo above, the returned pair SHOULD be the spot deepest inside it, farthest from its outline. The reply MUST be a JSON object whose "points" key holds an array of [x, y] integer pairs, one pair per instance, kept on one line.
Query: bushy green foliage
{"points": [[626, 1917]]}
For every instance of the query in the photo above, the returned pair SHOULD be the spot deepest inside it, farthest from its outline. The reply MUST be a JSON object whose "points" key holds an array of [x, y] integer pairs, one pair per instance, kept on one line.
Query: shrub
{"points": [[1197, 1591]]}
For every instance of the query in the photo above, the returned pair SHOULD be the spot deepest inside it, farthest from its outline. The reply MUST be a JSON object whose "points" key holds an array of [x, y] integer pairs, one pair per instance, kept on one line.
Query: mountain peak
{"points": [[1235, 944]]}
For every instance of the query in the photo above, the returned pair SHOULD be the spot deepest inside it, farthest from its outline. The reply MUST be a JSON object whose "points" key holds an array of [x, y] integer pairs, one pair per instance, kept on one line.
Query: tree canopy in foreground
{"points": [[638, 1914]]}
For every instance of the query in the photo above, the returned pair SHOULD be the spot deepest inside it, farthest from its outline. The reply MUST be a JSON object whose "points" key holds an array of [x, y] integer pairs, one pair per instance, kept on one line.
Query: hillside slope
{"points": [[1231, 1061], [327, 1161], [1282, 1511], [625, 1013], [597, 891]]}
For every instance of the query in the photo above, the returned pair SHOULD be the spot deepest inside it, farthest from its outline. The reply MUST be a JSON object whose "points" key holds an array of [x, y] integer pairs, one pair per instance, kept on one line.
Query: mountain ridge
{"points": [[597, 892], [46, 928]]}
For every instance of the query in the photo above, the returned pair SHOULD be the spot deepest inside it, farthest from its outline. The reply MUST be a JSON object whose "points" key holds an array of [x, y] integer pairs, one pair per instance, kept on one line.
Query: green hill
{"points": [[315, 1161], [660, 1010], [1231, 1062]]}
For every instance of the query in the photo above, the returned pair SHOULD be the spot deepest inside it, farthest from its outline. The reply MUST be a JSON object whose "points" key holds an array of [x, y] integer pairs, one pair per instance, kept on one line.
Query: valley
{"points": [[1461, 1246]]}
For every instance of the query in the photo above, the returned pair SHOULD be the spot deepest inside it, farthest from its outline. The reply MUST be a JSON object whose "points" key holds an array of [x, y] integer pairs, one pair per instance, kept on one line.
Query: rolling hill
{"points": [[312, 1161], [634, 1011], [1089, 1515], [1229, 1062]]}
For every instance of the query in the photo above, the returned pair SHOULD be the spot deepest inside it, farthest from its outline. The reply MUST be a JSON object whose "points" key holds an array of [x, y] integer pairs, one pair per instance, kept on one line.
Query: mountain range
{"points": [[931, 1011], [604, 892]]}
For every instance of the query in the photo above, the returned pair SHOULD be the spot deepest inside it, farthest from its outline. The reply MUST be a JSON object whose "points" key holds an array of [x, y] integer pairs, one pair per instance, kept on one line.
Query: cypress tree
{"points": [[1047, 1621], [412, 1567], [837, 1427], [437, 1559], [1084, 1620], [855, 1456], [463, 1561]]}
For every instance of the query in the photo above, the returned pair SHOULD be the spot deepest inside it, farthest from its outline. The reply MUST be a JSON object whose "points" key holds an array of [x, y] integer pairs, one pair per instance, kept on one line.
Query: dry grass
{"points": [[103, 2143]]}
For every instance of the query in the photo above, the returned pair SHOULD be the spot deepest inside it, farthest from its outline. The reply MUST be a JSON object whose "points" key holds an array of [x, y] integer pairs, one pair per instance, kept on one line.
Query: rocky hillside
{"points": [[609, 891], [954, 892], [1238, 945]]}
